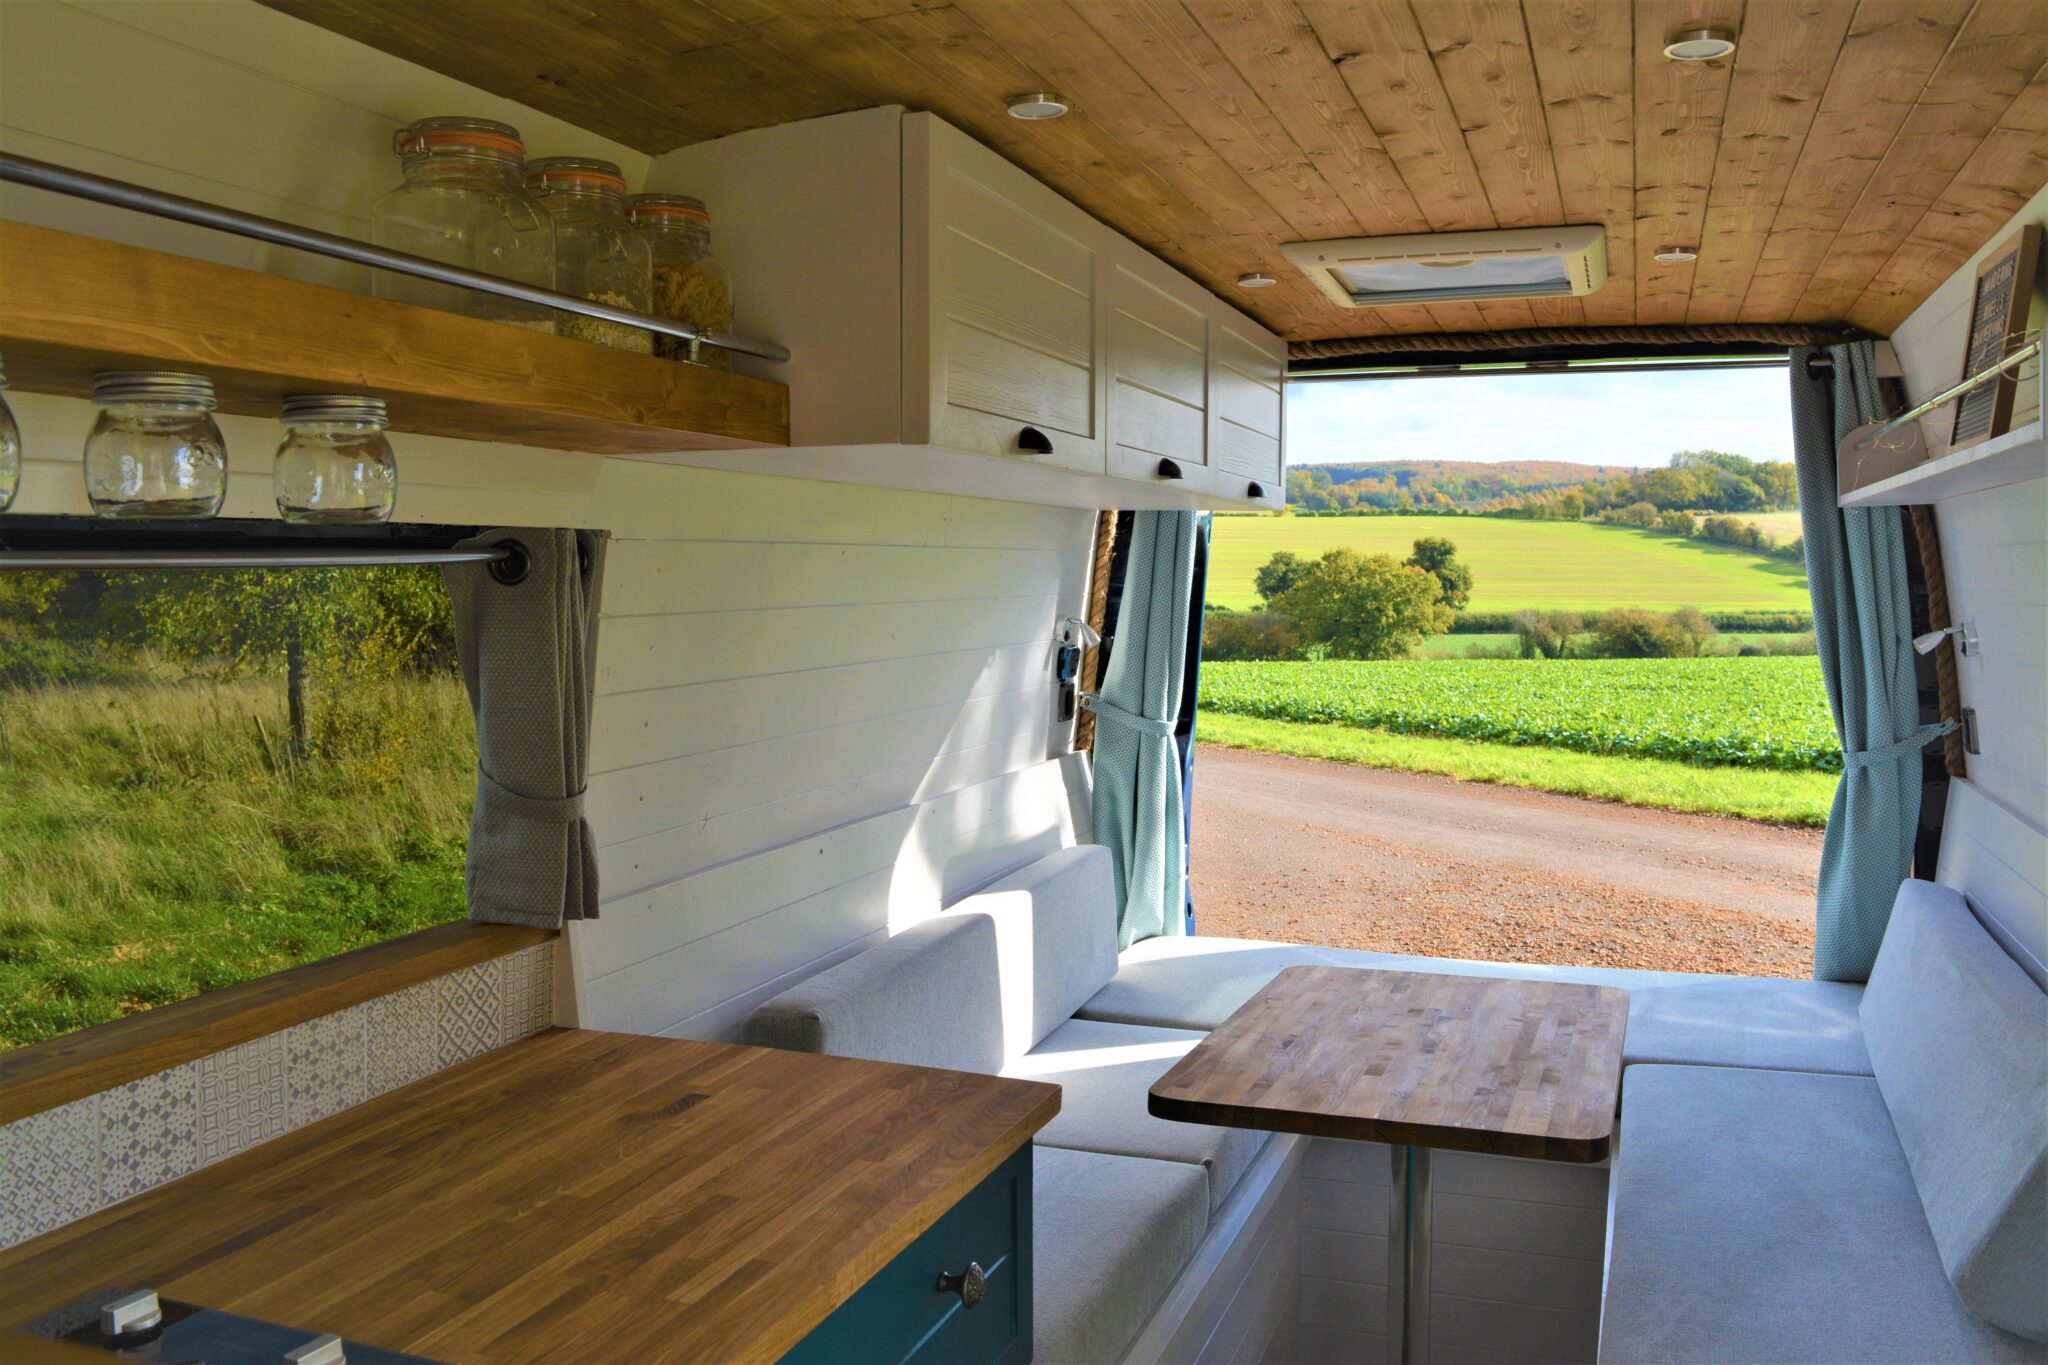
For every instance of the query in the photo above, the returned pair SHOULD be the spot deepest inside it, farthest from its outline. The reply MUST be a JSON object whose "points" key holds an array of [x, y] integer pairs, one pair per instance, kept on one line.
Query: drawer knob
{"points": [[970, 1284], [1170, 469], [1035, 441]]}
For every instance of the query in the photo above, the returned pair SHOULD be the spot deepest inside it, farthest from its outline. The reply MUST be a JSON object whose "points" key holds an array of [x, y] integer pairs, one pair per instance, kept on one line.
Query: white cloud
{"points": [[1611, 419]]}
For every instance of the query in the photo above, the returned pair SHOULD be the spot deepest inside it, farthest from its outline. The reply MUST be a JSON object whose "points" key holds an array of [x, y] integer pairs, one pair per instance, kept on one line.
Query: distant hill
{"points": [[1698, 480]]}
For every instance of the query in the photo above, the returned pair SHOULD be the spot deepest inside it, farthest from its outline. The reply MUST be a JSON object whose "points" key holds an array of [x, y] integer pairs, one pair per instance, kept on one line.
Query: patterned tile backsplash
{"points": [[62, 1164]]}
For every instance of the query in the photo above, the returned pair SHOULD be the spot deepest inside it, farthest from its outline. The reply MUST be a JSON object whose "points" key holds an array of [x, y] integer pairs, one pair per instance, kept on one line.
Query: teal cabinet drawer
{"points": [[901, 1314]]}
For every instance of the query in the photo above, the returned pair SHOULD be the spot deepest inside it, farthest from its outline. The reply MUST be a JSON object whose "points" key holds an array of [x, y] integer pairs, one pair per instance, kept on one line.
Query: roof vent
{"points": [[1516, 263]]}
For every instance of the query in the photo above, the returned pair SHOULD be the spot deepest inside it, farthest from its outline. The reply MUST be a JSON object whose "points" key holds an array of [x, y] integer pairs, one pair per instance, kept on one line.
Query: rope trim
{"points": [[1098, 610], [1774, 334]]}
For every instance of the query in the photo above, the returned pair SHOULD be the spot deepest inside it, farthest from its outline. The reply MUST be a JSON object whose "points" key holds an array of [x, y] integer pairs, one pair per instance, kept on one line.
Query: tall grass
{"points": [[163, 838]]}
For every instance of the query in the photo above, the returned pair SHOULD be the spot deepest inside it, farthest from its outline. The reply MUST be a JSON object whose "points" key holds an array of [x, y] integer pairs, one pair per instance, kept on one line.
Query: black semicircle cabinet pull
{"points": [[1035, 441], [1255, 490], [1169, 469]]}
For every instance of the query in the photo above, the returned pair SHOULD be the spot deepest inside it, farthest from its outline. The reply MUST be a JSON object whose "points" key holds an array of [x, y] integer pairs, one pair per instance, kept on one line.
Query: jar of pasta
{"points": [[689, 284], [598, 254]]}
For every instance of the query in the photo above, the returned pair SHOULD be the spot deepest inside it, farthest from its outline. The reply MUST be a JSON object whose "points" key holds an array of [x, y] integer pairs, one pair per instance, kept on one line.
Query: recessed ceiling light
{"points": [[1701, 45], [1039, 104], [1674, 255], [1258, 279]]}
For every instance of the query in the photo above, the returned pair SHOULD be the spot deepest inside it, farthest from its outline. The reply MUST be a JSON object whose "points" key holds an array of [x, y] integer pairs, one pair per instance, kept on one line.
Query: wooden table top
{"points": [[578, 1196], [1476, 1064]]}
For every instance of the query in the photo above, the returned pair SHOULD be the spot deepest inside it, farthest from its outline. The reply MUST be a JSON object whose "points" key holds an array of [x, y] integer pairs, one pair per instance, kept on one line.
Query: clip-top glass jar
{"points": [[598, 255], [154, 451], [10, 450], [689, 284], [464, 202], [335, 467]]}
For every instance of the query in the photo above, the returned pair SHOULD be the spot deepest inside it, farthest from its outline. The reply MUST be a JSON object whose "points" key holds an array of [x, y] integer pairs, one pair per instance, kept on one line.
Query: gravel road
{"points": [[1333, 853]]}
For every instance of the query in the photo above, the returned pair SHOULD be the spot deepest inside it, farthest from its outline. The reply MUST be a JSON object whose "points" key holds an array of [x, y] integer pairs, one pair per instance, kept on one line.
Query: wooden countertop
{"points": [[1471, 1063], [578, 1196]]}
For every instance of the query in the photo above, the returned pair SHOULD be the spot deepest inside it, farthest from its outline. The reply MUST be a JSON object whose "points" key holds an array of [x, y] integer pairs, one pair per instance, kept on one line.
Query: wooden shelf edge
{"points": [[2014, 457], [45, 1075], [74, 306]]}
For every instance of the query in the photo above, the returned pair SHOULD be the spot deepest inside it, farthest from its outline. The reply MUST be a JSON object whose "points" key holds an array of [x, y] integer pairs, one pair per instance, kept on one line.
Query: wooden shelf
{"points": [[2015, 457], [74, 306]]}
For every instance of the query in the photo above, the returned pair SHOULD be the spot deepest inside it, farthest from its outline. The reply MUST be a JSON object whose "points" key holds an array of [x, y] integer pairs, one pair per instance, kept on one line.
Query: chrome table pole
{"points": [[1408, 1256]]}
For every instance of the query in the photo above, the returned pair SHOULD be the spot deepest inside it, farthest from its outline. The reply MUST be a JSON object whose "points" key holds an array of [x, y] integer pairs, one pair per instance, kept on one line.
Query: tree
{"points": [[1438, 557], [1278, 574], [1631, 633], [1364, 606], [1546, 634], [1232, 635]]}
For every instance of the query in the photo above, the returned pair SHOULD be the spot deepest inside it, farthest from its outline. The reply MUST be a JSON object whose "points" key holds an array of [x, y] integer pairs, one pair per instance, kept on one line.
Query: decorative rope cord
{"points": [[1098, 609], [1939, 618], [1773, 334]]}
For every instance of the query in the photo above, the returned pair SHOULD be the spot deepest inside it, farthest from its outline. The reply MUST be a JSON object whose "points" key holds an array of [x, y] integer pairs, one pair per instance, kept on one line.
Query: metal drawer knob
{"points": [[970, 1284]]}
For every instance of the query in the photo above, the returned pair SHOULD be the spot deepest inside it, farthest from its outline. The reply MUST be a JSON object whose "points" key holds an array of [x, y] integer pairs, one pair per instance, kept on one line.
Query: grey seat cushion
{"points": [[1105, 1073], [1109, 1236], [1197, 982], [1958, 1038], [929, 996], [1055, 923], [1764, 1216]]}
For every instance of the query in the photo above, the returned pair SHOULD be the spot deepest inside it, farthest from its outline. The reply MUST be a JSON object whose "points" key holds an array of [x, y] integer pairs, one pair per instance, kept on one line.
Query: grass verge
{"points": [[1779, 797]]}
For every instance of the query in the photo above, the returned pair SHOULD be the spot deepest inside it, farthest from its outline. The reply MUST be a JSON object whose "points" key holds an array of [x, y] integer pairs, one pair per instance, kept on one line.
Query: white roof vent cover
{"points": [[1512, 263]]}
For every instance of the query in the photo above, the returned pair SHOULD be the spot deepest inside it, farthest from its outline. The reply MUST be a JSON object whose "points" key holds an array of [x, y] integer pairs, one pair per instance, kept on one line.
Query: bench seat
{"points": [[1764, 1216], [1105, 1074], [1196, 982], [1109, 1237]]}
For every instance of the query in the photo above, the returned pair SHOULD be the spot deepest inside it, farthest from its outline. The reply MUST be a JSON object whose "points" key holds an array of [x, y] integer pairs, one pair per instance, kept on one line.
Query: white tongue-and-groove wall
{"points": [[822, 710]]}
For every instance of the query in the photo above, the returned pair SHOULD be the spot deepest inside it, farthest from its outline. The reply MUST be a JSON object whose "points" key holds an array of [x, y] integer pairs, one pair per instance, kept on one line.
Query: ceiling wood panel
{"points": [[1850, 156]]}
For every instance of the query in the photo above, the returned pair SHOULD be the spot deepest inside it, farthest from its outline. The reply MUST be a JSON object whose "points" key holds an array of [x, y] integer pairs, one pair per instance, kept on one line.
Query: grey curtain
{"points": [[1137, 805], [528, 651], [1862, 626]]}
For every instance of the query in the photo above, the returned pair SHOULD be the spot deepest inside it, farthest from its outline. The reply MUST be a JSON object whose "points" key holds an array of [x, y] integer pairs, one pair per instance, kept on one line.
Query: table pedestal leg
{"points": [[1408, 1258]]}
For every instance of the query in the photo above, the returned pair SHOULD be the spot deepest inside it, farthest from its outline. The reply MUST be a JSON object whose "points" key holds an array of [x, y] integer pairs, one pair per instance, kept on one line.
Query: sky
{"points": [[1610, 419]]}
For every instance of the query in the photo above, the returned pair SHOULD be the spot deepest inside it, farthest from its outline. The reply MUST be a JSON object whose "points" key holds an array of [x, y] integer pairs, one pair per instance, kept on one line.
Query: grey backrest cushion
{"points": [[1055, 924], [1958, 1041], [928, 996]]}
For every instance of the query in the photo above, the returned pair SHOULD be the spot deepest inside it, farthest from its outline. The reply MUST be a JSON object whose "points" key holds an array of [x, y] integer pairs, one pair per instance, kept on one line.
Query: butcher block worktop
{"points": [[578, 1196]]}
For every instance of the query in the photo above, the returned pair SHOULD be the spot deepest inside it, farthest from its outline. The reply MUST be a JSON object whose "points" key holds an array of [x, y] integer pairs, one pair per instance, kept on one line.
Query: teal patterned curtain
{"points": [[1138, 814], [1863, 628]]}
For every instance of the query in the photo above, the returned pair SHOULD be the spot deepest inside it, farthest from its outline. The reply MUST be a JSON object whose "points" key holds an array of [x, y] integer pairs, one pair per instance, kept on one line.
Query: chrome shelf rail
{"points": [[121, 560], [1978, 380], [100, 189]]}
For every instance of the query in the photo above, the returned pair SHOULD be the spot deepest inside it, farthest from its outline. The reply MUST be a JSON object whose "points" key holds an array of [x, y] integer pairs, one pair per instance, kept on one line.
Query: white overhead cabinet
{"points": [[956, 325]]}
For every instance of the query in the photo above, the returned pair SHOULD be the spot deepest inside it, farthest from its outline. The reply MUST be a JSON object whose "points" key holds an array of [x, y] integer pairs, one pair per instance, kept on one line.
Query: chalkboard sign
{"points": [[1998, 318]]}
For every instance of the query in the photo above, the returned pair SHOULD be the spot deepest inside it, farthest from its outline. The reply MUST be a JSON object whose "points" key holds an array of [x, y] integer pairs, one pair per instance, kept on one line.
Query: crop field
{"points": [[1550, 565], [1753, 713]]}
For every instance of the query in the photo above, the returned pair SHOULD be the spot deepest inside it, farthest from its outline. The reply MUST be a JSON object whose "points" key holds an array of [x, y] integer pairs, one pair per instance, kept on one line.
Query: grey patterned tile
{"points": [[528, 1001], [324, 1066], [149, 1132], [398, 1038], [49, 1169], [468, 1012], [241, 1097]]}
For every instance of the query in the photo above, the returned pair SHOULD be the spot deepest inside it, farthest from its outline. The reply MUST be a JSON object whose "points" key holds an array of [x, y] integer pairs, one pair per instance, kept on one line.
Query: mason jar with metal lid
{"points": [[154, 451], [464, 202], [335, 466], [689, 284], [10, 449], [598, 255]]}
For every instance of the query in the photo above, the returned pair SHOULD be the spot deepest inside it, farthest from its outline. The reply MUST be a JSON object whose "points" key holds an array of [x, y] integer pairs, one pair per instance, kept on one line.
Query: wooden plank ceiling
{"points": [[1850, 156]]}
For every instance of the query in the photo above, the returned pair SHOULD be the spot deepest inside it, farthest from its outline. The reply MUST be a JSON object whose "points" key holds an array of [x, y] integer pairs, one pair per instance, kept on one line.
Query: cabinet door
{"points": [[1247, 367], [1159, 328], [1005, 277]]}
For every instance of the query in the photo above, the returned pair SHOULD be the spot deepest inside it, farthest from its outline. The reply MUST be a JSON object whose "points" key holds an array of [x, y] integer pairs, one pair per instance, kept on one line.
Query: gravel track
{"points": [[1333, 853]]}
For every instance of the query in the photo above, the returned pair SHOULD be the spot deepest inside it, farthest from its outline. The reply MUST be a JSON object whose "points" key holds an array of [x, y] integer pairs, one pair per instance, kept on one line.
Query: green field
{"points": [[1490, 644], [1550, 565], [1746, 713], [1785, 798]]}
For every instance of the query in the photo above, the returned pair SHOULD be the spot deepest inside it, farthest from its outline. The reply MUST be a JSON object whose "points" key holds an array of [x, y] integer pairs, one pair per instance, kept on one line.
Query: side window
{"points": [[211, 776]]}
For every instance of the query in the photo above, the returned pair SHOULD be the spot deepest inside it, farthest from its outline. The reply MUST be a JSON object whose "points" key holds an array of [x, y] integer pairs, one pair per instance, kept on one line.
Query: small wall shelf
{"points": [[74, 306], [2017, 456]]}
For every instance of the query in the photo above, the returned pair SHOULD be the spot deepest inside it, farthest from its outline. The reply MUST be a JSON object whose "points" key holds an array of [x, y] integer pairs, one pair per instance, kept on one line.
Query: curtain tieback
{"points": [[1130, 720], [1891, 753], [560, 810]]}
